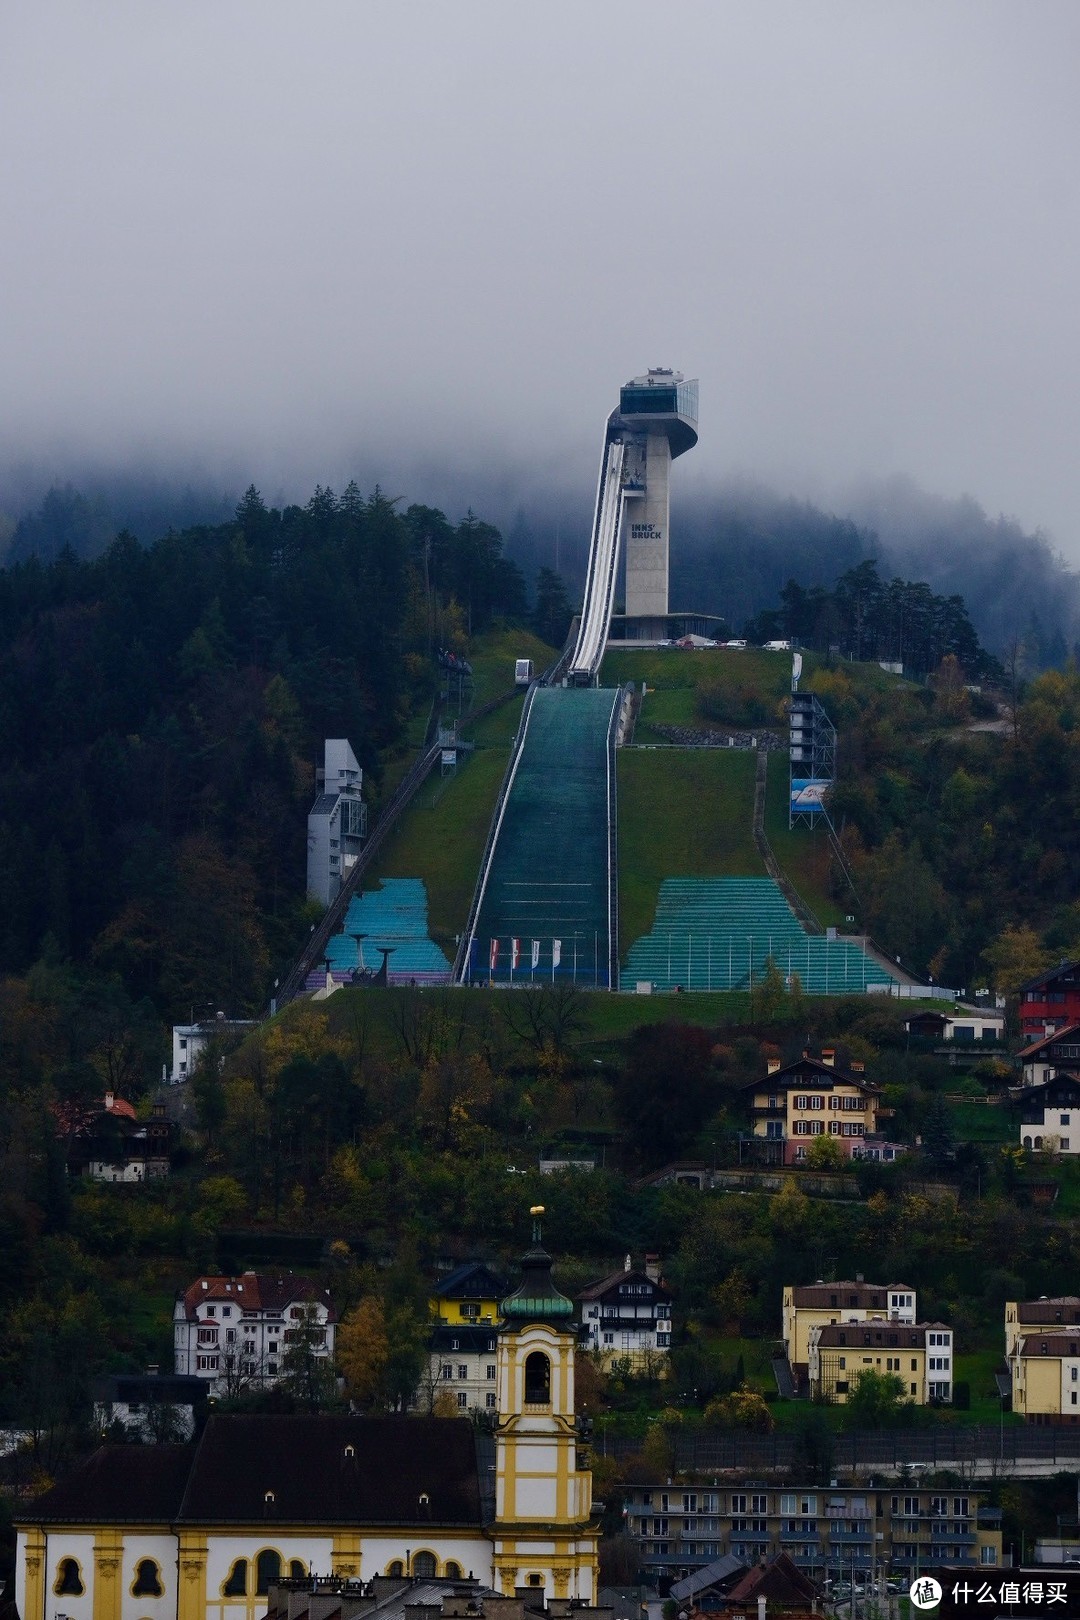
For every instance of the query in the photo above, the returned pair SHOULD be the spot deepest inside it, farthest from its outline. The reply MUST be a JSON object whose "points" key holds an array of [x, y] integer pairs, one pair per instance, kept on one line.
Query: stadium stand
{"points": [[394, 918], [718, 933]]}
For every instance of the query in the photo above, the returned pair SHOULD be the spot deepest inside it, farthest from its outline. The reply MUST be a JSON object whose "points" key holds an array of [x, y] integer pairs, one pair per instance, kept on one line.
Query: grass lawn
{"points": [[984, 1122], [497, 729], [682, 813], [803, 852], [441, 838], [492, 657]]}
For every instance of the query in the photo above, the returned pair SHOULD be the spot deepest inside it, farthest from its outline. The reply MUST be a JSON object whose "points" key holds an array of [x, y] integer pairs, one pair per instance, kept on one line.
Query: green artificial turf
{"points": [[682, 813], [440, 839]]}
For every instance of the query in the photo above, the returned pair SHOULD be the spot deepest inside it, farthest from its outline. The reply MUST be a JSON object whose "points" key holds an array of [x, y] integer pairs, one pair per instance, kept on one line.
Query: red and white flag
{"points": [[556, 952], [494, 955], [535, 954], [515, 955]]}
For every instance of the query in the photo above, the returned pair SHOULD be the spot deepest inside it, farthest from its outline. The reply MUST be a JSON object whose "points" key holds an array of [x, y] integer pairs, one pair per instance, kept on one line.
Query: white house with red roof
{"points": [[237, 1331]]}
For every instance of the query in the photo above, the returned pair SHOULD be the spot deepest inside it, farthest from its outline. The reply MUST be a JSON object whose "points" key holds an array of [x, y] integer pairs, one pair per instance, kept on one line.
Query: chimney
{"points": [[109, 1098], [761, 1606], [152, 1369], [627, 1263], [828, 1056], [773, 1065], [652, 1267], [857, 1068]]}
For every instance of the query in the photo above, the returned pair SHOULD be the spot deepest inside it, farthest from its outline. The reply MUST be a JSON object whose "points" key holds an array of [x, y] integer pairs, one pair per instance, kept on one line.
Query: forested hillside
{"points": [[162, 709], [734, 548]]}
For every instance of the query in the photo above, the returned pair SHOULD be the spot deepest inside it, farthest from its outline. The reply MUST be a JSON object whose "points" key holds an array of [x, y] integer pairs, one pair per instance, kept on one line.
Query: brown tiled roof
{"points": [[302, 1460], [820, 1294], [781, 1580], [597, 1290], [1064, 1308], [890, 1335], [1059, 1343], [1048, 976], [1048, 1040], [136, 1484], [257, 1291], [814, 1075]]}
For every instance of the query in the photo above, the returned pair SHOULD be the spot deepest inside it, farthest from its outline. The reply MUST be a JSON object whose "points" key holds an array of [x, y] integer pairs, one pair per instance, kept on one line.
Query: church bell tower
{"points": [[544, 1532]]}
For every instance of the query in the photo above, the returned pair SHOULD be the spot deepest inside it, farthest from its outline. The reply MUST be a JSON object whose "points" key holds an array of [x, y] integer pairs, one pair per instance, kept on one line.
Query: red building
{"points": [[1051, 1000]]}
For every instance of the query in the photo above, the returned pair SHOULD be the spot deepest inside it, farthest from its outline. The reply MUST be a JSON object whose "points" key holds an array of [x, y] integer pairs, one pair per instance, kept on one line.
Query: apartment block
{"points": [[822, 1304], [920, 1354], [834, 1530]]}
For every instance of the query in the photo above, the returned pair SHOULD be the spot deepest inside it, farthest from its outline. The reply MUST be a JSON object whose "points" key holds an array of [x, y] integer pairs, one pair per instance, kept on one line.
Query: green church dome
{"points": [[536, 1298]]}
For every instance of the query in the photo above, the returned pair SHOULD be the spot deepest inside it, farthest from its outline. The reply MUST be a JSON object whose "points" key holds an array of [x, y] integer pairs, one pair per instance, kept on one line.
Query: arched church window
{"points": [[267, 1570], [397, 1568], [297, 1569], [147, 1582], [537, 1379], [425, 1566], [453, 1571], [69, 1581], [236, 1585]]}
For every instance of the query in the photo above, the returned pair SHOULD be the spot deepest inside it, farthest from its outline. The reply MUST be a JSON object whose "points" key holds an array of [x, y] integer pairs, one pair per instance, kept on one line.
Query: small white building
{"points": [[1050, 1116], [190, 1041], [235, 1332], [153, 1407], [461, 1364], [627, 1316], [337, 822], [965, 1026]]}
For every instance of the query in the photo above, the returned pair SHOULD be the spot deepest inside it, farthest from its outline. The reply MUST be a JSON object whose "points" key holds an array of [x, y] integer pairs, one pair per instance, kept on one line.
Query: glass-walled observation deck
{"points": [[665, 399], [666, 396]]}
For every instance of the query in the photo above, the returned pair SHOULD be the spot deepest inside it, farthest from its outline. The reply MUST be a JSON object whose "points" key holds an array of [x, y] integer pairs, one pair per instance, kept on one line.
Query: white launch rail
{"points": [[603, 565]]}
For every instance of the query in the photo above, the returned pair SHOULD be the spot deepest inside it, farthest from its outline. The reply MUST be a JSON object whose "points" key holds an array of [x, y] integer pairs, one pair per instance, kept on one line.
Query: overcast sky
{"points": [[291, 238]]}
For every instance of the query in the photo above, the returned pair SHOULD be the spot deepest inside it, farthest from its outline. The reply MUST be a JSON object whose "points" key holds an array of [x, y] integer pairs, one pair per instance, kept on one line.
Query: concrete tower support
{"points": [[657, 421], [647, 537]]}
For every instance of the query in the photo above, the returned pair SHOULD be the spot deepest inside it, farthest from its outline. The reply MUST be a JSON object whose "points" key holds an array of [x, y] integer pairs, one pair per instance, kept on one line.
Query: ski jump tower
{"points": [[658, 421]]}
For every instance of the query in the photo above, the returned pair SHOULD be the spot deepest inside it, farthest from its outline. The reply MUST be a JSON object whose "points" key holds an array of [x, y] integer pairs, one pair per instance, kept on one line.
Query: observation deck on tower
{"points": [[657, 421]]}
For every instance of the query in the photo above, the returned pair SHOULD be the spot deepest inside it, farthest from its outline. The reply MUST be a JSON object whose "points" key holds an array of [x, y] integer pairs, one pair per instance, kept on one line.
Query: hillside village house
{"points": [[464, 1309], [110, 1143], [150, 1406], [1041, 1060], [1042, 1348], [920, 1354], [1026, 1315], [204, 1530], [809, 1098], [190, 1041], [1045, 1374], [235, 1332], [682, 1529], [964, 1026], [627, 1315], [1050, 1116], [820, 1304], [1051, 1000]]}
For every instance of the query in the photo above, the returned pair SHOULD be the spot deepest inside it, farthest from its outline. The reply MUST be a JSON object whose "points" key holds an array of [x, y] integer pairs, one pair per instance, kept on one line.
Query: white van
{"points": [[777, 646]]}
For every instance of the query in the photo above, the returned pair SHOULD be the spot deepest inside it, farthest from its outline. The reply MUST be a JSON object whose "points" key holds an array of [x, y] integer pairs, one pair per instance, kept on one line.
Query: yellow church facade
{"points": [[201, 1532]]}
